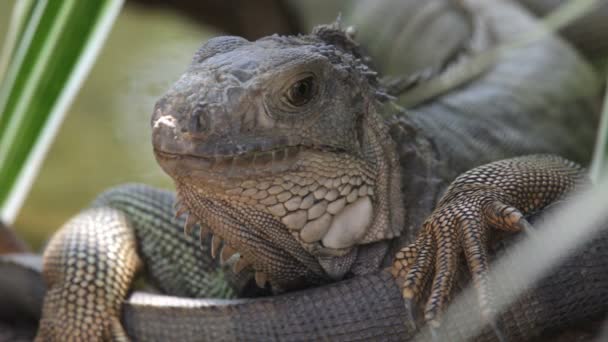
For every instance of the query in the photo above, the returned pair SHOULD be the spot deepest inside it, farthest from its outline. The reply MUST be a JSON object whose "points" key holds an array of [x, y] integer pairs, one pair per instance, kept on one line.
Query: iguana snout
{"points": [[271, 147]]}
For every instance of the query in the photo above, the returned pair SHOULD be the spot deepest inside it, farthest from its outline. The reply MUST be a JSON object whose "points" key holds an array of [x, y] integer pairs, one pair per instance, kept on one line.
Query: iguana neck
{"points": [[422, 173]]}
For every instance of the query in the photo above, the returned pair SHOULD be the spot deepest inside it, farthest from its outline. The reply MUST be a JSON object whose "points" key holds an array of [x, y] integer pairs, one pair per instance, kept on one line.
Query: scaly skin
{"points": [[280, 148], [363, 306], [91, 306], [494, 196]]}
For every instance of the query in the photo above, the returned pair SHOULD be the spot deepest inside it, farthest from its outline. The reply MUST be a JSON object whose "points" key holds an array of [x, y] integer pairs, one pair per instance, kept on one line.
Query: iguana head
{"points": [[277, 147]]}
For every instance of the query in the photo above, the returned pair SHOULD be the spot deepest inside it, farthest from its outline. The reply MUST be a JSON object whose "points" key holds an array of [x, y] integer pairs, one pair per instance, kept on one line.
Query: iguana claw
{"points": [[494, 196], [458, 226]]}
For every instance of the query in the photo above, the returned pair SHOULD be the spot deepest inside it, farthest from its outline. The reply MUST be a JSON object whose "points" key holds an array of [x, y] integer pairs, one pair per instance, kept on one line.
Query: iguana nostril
{"points": [[199, 121], [203, 123]]}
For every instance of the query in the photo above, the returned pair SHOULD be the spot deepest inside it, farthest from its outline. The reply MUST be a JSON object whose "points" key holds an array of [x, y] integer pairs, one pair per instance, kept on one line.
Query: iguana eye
{"points": [[301, 92]]}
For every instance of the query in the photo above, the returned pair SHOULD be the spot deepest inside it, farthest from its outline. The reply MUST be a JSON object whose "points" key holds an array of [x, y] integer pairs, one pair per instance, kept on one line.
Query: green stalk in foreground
{"points": [[51, 47], [599, 165]]}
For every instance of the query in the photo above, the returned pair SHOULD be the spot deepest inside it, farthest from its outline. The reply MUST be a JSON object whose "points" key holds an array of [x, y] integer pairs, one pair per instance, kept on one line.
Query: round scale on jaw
{"points": [[263, 185], [275, 189], [320, 193], [249, 184], [296, 220], [308, 201], [277, 210], [293, 203], [349, 226], [332, 195], [344, 190], [269, 201], [313, 186], [317, 210], [316, 229], [295, 189], [301, 181], [234, 192], [284, 196], [260, 195], [352, 196], [249, 192], [303, 191], [336, 206], [308, 181]]}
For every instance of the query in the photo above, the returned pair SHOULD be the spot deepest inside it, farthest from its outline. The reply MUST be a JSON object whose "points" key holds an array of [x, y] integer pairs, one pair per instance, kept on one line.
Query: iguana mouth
{"points": [[238, 165], [228, 155], [244, 164], [319, 198], [232, 167]]}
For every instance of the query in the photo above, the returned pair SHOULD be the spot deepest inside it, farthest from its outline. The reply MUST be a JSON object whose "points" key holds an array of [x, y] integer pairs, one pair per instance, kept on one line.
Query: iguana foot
{"points": [[88, 267], [493, 196], [459, 226]]}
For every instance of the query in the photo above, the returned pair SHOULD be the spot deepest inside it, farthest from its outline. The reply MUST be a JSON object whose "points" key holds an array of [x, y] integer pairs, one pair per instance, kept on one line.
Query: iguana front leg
{"points": [[91, 263], [88, 275], [498, 196]]}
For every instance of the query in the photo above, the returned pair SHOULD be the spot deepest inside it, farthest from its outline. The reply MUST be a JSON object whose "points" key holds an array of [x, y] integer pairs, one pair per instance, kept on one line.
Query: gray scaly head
{"points": [[277, 147]]}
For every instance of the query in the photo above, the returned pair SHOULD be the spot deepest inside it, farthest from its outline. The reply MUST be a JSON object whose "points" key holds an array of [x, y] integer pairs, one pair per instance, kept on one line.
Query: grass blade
{"points": [[22, 10], [56, 49], [600, 155]]}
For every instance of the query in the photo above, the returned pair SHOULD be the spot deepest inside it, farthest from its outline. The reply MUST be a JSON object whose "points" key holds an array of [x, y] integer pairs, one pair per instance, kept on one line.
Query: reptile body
{"points": [[289, 150]]}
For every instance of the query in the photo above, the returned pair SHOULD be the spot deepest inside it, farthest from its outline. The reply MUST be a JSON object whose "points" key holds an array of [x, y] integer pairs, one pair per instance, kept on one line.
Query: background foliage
{"points": [[105, 138]]}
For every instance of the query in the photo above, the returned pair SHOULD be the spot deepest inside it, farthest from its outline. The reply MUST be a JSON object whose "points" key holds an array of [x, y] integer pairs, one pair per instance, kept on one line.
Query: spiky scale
{"points": [[189, 224], [180, 209], [226, 253], [216, 243], [203, 232], [261, 279], [240, 264]]}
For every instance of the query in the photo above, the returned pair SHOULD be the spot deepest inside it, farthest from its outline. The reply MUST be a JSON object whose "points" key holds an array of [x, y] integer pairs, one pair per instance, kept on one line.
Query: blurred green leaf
{"points": [[54, 44], [21, 11], [599, 164]]}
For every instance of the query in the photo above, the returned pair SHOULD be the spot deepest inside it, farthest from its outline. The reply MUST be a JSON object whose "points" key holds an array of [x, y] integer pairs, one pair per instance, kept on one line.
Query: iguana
{"points": [[290, 152]]}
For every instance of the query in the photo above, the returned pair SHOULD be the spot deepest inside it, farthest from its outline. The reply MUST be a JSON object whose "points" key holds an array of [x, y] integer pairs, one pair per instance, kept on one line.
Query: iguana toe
{"points": [[495, 196]]}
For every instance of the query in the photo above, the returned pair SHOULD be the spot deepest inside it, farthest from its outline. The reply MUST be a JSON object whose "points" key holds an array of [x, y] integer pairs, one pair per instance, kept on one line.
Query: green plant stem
{"points": [[56, 49], [600, 154], [21, 11]]}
